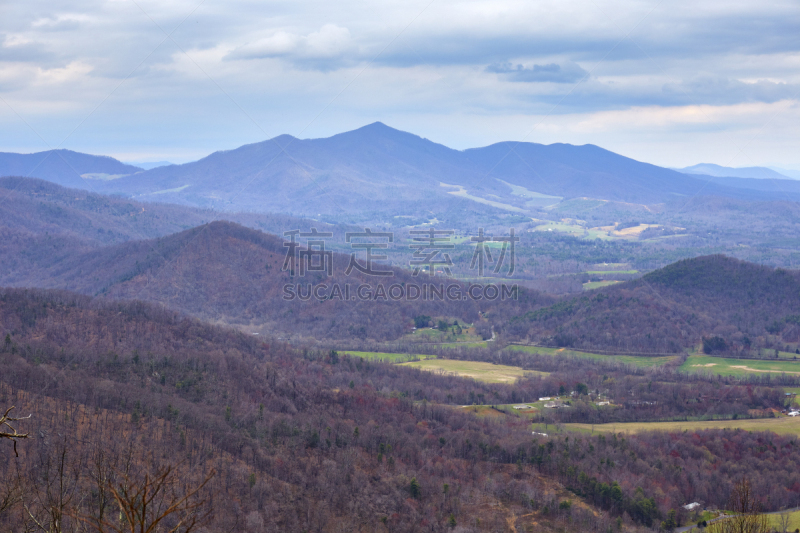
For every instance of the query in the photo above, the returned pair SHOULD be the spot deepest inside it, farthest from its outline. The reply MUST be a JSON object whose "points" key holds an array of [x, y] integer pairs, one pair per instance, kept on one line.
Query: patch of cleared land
{"points": [[463, 345], [389, 357], [794, 521], [626, 233], [602, 272], [627, 359], [533, 199], [563, 227], [782, 425], [774, 521], [738, 367], [598, 284], [433, 335], [461, 192], [483, 411], [478, 370]]}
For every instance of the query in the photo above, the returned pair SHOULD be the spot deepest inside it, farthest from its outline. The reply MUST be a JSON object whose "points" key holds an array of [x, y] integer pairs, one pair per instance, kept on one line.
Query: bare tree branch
{"points": [[144, 504], [11, 433]]}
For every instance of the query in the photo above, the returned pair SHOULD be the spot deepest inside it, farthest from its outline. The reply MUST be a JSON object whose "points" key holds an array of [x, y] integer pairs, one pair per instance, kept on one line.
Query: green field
{"points": [[782, 425], [433, 335], [774, 521], [464, 344], [738, 367], [603, 272], [627, 359], [794, 521], [478, 370], [598, 284], [389, 357]]}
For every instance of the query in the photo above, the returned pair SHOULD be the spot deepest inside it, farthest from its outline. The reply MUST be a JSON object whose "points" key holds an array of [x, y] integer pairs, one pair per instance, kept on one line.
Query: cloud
{"points": [[552, 72], [18, 50], [622, 92], [61, 22], [720, 90], [321, 49], [425, 70]]}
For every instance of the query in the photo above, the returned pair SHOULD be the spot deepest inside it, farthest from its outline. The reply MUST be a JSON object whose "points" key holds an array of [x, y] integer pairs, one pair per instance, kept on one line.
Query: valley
{"points": [[314, 355], [399, 267]]}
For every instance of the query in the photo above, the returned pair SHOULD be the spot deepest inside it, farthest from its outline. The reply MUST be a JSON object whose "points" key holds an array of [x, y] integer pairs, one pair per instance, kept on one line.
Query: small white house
{"points": [[603, 403], [545, 399], [794, 413], [521, 407], [691, 506]]}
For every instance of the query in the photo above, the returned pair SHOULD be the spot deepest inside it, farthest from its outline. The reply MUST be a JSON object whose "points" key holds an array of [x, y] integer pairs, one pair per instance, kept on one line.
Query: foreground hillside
{"points": [[298, 439], [746, 306]]}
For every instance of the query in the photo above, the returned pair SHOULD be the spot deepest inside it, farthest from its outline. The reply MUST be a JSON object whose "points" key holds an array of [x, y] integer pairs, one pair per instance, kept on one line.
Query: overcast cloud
{"points": [[673, 83]]}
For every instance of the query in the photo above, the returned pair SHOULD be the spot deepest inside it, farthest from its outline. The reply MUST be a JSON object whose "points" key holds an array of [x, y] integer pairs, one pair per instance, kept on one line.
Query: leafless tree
{"points": [[783, 521], [10, 495], [747, 512], [53, 487], [7, 431], [153, 503]]}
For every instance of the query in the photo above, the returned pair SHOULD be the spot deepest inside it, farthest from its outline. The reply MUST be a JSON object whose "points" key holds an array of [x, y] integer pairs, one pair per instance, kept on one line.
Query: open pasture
{"points": [[487, 372], [782, 425], [589, 285], [794, 521], [388, 357], [738, 367], [639, 361]]}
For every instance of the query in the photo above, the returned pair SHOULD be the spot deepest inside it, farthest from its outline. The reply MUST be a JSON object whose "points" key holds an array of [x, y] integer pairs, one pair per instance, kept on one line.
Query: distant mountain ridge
{"points": [[148, 165], [710, 169], [64, 167], [378, 169]]}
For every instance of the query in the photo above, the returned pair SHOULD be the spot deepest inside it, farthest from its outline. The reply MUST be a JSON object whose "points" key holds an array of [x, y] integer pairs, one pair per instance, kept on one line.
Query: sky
{"points": [[672, 83]]}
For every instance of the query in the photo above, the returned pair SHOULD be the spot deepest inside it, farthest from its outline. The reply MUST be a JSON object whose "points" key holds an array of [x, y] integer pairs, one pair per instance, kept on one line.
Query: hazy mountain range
{"points": [[147, 165], [51, 237], [709, 169], [381, 170]]}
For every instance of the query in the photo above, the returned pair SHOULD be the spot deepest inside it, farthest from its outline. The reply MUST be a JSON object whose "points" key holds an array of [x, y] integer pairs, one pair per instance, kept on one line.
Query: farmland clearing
{"points": [[478, 370], [781, 425]]}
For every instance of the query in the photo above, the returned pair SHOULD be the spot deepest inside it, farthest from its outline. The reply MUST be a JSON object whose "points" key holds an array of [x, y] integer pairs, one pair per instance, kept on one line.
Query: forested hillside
{"points": [[300, 439], [227, 273], [748, 306], [36, 209]]}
